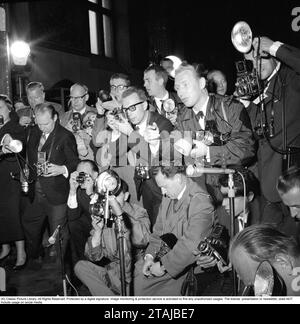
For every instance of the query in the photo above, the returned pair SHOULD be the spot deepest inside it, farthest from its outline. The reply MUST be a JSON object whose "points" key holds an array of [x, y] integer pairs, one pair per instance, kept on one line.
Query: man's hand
{"points": [[157, 270], [200, 150], [55, 170], [99, 107], [206, 262], [151, 134], [123, 126], [5, 142], [264, 45], [73, 183], [172, 118], [147, 265], [115, 206]]}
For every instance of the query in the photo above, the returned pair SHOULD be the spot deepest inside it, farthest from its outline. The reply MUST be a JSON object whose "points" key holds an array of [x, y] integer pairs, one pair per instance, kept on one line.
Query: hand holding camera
{"points": [[54, 170], [74, 183], [200, 150], [151, 134], [123, 125], [264, 44]]}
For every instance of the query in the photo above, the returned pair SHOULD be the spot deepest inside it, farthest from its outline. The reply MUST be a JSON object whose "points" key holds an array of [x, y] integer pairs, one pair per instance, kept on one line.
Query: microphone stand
{"points": [[231, 196], [121, 247], [62, 264]]}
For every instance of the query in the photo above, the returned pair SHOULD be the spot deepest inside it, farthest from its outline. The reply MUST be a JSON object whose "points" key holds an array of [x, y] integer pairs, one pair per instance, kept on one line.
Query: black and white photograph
{"points": [[149, 154]]}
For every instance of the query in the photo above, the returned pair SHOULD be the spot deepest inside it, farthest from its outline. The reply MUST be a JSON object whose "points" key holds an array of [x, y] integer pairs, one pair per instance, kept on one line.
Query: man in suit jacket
{"points": [[144, 144], [48, 141], [78, 211], [155, 80], [186, 212], [280, 71]]}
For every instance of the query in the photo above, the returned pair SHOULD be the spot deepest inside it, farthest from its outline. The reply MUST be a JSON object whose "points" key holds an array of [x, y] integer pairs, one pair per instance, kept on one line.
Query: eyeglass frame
{"points": [[118, 87], [132, 108], [79, 97]]}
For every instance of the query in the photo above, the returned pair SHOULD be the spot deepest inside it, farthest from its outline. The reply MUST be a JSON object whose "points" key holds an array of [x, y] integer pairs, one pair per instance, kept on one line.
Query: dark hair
{"points": [[34, 85], [252, 184], [263, 242], [169, 170], [92, 164], [45, 107], [122, 76], [131, 90], [289, 180], [159, 71], [124, 186]]}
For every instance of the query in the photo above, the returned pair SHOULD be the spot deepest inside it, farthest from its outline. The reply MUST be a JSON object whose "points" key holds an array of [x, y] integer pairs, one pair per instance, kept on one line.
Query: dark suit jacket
{"points": [[239, 148], [269, 162], [83, 209], [64, 152]]}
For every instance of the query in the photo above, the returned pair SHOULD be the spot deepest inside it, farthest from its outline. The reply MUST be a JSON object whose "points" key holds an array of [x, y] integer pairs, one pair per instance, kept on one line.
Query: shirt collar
{"points": [[181, 193], [203, 108], [142, 127], [159, 101], [274, 72], [81, 112]]}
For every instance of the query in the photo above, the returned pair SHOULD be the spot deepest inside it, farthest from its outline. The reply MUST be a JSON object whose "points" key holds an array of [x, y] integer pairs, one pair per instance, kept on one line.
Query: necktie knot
{"points": [[200, 115]]}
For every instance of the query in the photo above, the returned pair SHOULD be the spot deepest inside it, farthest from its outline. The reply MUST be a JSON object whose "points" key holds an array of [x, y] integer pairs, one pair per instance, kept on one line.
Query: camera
{"points": [[97, 210], [216, 244], [104, 96], [117, 112], [168, 241], [82, 177], [76, 118], [42, 164], [248, 83], [142, 172]]}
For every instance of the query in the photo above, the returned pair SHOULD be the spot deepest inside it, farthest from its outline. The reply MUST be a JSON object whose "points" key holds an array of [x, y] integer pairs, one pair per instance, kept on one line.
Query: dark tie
{"points": [[162, 109], [200, 115], [43, 140]]}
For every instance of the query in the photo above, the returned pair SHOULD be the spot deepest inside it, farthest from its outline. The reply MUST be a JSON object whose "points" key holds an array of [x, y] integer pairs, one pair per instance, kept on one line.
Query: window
{"points": [[101, 27]]}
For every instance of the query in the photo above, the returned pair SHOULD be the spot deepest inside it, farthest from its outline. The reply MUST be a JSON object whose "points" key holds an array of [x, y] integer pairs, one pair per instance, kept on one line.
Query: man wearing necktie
{"points": [[155, 80], [224, 118], [53, 156], [279, 68], [187, 213]]}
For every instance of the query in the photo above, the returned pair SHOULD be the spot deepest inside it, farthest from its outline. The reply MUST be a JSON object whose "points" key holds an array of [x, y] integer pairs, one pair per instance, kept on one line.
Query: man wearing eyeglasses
{"points": [[145, 130], [79, 95], [118, 83], [73, 119]]}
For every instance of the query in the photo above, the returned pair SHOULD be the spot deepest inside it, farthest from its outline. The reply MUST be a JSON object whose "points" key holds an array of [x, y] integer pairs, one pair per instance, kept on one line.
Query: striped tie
{"points": [[42, 142]]}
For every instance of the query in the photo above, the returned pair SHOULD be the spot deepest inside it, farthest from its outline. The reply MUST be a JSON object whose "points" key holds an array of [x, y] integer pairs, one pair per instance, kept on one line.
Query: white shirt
{"points": [[158, 101], [204, 110], [154, 147]]}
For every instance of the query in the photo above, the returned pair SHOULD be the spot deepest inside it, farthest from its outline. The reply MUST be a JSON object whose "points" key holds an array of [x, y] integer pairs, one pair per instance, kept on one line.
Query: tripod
{"points": [[120, 233]]}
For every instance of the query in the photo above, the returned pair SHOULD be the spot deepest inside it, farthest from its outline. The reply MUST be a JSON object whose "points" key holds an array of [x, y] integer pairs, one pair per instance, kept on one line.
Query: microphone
{"points": [[52, 239], [194, 172]]}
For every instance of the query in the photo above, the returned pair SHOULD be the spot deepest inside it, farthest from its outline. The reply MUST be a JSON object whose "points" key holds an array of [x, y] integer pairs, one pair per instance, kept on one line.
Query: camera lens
{"points": [[81, 178]]}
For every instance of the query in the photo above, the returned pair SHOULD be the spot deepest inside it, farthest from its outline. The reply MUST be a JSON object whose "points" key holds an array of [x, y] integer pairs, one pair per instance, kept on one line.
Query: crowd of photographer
{"points": [[132, 187]]}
